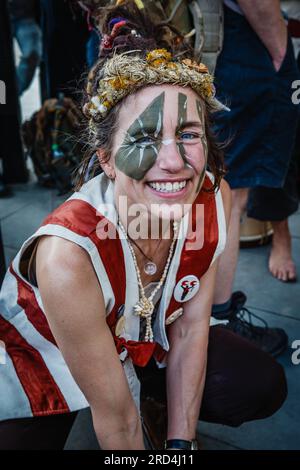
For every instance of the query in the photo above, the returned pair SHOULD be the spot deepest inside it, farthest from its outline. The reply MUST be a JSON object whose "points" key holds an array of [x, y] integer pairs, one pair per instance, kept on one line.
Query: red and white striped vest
{"points": [[34, 378]]}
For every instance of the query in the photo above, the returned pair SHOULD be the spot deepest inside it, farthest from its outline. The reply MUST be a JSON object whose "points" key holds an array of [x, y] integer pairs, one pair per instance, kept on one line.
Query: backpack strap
{"points": [[208, 19], [201, 20]]}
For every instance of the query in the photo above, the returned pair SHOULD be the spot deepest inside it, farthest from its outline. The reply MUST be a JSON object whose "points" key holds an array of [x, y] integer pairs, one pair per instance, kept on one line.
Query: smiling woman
{"points": [[149, 123], [113, 319]]}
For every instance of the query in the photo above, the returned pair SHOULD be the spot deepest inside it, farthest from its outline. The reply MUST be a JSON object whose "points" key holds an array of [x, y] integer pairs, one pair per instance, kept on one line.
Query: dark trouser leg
{"points": [[29, 37], [275, 204], [38, 433], [63, 66], [242, 382]]}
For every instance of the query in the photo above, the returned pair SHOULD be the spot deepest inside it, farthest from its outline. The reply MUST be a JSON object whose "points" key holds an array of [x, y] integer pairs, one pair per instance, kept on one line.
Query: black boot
{"points": [[271, 340]]}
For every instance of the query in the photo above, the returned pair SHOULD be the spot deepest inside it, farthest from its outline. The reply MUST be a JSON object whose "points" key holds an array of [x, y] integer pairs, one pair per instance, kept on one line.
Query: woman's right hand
{"points": [[74, 307]]}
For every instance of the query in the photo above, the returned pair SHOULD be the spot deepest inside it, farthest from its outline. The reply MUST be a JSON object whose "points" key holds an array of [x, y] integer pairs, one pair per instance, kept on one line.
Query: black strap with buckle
{"points": [[181, 444]]}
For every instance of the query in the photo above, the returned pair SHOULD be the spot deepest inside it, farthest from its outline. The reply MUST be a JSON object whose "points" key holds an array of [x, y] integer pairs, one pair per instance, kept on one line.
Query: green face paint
{"points": [[182, 117], [182, 109], [200, 109], [142, 142]]}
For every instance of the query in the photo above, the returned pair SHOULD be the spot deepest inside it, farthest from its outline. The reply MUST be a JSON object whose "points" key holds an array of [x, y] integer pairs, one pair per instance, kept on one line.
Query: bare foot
{"points": [[281, 264]]}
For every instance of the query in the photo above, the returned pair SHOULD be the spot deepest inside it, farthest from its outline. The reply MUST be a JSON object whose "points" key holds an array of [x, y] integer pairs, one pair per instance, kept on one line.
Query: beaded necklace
{"points": [[145, 307]]}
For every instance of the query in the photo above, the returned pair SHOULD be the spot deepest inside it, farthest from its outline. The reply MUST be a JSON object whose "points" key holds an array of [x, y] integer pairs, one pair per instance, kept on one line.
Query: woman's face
{"points": [[160, 150]]}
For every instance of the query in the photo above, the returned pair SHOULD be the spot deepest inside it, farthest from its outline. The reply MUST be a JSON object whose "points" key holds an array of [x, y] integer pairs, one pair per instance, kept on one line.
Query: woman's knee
{"points": [[243, 383], [235, 401]]}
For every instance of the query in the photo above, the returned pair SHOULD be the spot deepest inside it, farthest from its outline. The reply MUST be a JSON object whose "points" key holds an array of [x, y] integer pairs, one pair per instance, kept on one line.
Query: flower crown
{"points": [[125, 73]]}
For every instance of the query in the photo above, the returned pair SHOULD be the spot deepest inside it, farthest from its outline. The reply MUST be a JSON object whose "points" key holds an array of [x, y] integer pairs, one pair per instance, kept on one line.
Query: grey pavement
{"points": [[274, 301]]}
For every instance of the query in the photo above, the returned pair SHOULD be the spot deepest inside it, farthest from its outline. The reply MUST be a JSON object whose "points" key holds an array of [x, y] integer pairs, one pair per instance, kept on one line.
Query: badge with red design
{"points": [[186, 288]]}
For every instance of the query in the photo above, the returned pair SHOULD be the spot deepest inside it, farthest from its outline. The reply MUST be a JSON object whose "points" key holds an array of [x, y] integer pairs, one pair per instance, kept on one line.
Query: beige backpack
{"points": [[200, 20]]}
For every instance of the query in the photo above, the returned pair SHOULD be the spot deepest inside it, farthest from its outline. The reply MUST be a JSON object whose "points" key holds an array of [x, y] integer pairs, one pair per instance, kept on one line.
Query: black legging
{"points": [[242, 384]]}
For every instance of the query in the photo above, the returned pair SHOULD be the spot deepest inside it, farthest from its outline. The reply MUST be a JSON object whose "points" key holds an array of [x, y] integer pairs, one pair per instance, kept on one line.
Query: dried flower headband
{"points": [[125, 73]]}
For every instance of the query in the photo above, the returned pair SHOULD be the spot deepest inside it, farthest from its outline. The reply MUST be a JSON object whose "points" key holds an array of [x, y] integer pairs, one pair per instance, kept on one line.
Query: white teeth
{"points": [[168, 187]]}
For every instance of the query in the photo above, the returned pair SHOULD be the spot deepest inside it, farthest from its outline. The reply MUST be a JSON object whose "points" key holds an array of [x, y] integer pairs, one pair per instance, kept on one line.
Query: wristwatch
{"points": [[181, 444]]}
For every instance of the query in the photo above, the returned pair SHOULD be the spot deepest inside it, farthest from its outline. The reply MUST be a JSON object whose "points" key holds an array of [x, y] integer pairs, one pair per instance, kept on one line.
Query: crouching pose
{"points": [[110, 300]]}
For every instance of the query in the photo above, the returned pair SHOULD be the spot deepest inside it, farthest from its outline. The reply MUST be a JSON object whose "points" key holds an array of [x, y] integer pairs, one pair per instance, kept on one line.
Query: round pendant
{"points": [[150, 268]]}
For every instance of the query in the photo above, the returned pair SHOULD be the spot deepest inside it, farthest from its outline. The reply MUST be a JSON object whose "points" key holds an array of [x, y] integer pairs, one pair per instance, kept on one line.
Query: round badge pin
{"points": [[186, 288]]}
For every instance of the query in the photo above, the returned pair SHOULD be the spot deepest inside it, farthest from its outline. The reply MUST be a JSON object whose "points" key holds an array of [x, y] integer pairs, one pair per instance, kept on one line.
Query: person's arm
{"points": [[186, 363], [74, 307], [266, 19]]}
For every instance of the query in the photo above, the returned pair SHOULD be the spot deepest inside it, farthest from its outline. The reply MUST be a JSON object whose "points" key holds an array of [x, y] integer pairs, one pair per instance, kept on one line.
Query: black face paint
{"points": [[142, 143]]}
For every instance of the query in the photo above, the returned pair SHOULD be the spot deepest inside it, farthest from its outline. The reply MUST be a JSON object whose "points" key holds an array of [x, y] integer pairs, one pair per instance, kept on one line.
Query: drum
{"points": [[255, 232]]}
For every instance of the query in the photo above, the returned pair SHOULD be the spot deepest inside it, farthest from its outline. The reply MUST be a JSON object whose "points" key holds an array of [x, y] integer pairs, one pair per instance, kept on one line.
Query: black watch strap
{"points": [[181, 444]]}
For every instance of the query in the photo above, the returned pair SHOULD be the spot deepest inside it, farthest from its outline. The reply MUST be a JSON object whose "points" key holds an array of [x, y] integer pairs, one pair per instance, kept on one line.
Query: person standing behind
{"points": [[29, 37], [255, 71]]}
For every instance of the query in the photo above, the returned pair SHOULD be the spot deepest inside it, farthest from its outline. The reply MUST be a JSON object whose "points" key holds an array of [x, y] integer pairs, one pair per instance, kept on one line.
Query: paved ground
{"points": [[277, 303]]}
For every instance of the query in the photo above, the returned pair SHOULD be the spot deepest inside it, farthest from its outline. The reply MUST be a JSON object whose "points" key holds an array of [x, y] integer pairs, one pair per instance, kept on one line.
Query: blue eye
{"points": [[188, 136]]}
